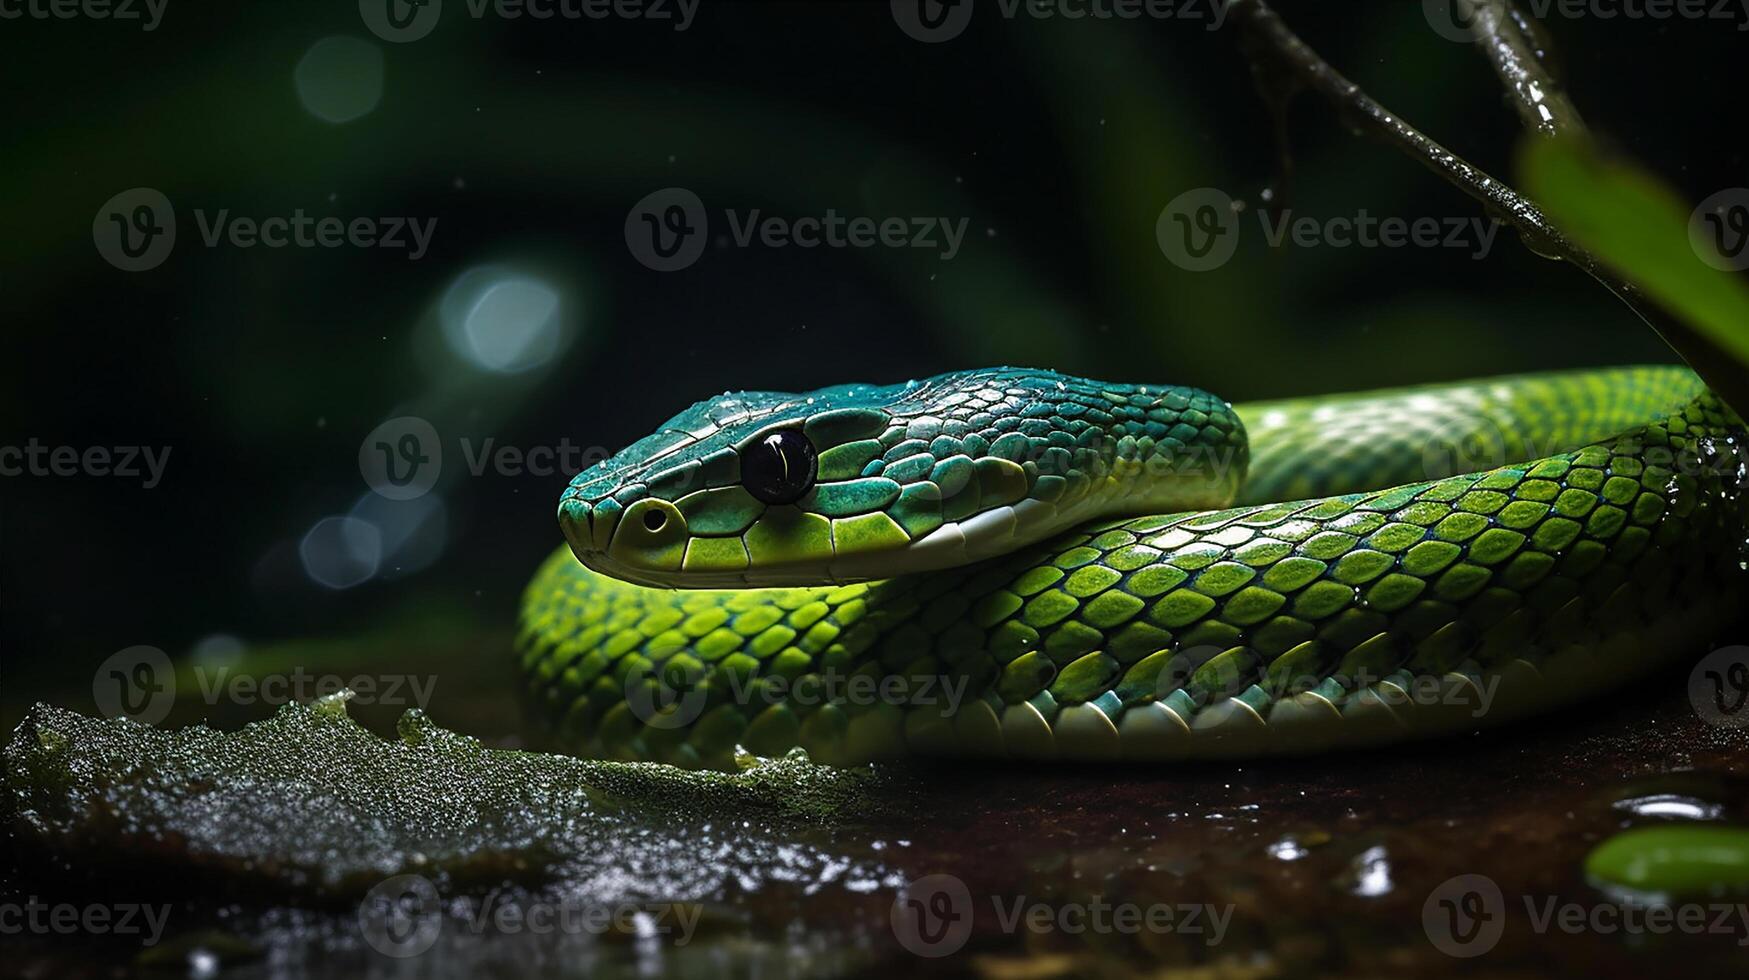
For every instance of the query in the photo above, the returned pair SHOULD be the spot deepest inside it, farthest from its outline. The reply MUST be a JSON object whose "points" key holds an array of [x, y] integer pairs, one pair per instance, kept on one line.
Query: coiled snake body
{"points": [[1018, 563]]}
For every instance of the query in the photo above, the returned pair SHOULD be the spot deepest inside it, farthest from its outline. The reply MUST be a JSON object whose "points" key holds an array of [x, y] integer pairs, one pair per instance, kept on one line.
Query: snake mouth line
{"points": [[987, 535]]}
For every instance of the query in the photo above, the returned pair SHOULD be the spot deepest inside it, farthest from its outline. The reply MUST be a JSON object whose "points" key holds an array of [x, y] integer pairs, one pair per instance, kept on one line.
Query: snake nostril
{"points": [[655, 518]]}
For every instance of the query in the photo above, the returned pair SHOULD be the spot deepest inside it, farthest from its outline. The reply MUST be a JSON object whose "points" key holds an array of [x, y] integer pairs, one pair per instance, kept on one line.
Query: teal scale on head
{"points": [[1397, 564], [857, 482]]}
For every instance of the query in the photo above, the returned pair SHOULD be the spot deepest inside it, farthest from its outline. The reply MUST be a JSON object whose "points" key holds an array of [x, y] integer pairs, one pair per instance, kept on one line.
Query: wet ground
{"points": [[535, 865]]}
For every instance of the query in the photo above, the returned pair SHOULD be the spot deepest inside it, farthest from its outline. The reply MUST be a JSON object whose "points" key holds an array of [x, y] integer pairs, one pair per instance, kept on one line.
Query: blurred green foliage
{"points": [[1641, 228]]}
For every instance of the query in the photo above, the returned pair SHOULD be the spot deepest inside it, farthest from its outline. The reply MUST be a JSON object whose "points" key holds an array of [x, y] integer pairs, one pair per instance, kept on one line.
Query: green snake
{"points": [[1020, 563]]}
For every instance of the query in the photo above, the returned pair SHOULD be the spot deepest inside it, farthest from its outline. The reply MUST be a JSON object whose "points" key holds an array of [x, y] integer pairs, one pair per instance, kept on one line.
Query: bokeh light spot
{"points": [[503, 321], [340, 78], [341, 552], [217, 650], [414, 532]]}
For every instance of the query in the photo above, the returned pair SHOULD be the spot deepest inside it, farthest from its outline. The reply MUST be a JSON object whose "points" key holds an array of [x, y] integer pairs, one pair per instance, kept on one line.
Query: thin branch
{"points": [[1267, 35], [1313, 73], [1510, 41]]}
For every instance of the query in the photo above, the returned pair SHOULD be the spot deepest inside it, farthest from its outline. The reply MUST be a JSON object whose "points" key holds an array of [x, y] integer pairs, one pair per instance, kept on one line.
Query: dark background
{"points": [[529, 141]]}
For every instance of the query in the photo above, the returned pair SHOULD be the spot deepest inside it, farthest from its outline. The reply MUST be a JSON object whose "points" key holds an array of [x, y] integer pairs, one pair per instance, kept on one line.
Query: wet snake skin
{"points": [[1092, 571]]}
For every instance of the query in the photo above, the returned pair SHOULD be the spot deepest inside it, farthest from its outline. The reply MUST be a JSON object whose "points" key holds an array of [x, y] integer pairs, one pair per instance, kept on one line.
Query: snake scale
{"points": [[1019, 563]]}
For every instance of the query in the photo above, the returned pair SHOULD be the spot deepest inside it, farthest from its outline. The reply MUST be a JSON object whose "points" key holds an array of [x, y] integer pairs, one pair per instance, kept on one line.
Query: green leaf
{"points": [[1640, 228]]}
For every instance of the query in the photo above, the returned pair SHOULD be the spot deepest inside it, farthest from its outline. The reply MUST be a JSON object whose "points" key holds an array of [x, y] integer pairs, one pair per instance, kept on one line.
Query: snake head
{"points": [[859, 482]]}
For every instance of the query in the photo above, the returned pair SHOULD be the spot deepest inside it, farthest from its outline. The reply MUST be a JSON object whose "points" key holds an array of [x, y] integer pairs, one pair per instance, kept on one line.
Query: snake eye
{"points": [[779, 468]]}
